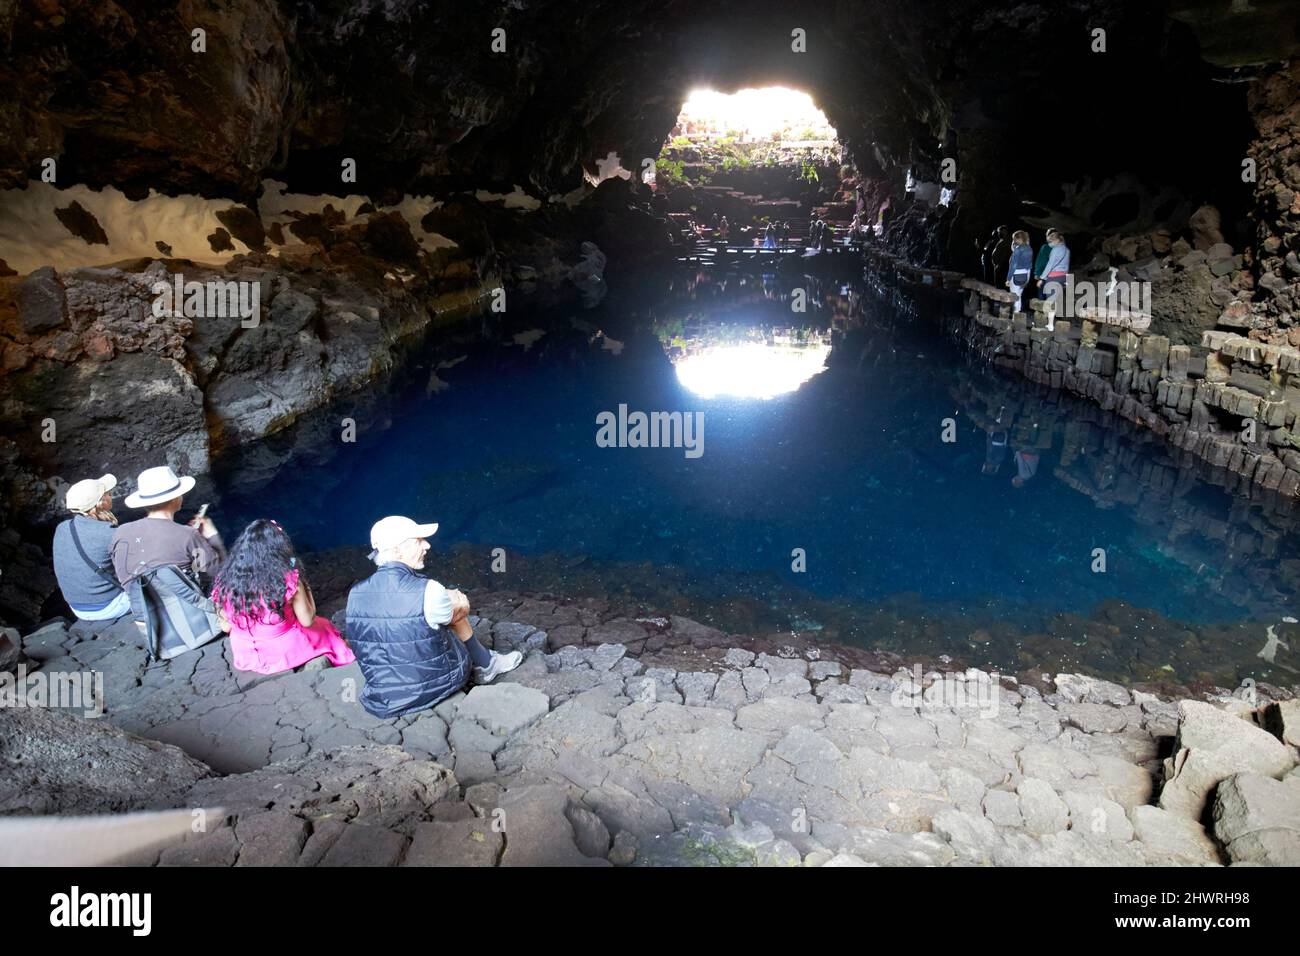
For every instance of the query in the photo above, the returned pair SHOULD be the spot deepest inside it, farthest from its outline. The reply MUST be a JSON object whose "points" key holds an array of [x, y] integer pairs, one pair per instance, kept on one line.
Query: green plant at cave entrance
{"points": [[750, 124], [670, 170]]}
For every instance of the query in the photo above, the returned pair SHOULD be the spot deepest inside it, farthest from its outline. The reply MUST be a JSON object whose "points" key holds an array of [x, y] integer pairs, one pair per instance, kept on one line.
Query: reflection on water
{"points": [[744, 360], [939, 507], [756, 370]]}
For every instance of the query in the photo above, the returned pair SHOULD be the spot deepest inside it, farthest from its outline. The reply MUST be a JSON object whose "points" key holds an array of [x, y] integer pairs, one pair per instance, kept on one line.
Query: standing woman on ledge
{"points": [[1019, 268], [268, 608], [1040, 261], [1058, 265]]}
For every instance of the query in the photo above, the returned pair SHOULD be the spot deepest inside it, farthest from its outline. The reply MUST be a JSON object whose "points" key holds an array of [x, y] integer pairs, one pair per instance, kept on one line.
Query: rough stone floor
{"points": [[658, 742]]}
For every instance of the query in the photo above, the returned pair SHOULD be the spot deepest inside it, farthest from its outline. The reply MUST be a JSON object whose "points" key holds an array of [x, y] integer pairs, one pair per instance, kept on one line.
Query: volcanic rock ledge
{"points": [[654, 742], [122, 383], [103, 368]]}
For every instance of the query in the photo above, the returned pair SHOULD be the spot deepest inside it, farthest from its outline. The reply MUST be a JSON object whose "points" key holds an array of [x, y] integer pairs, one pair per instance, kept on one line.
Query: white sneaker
{"points": [[501, 664]]}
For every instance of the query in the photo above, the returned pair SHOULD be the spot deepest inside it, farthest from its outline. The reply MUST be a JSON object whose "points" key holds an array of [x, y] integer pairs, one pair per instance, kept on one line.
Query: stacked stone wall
{"points": [[1231, 401]]}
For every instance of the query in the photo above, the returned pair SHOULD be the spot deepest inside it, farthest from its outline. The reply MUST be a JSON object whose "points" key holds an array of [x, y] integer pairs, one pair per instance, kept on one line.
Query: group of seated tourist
{"points": [[147, 572]]}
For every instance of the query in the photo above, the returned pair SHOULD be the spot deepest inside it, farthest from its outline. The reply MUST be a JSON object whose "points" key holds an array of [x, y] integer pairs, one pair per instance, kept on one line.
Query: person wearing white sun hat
{"points": [[156, 540], [395, 619], [81, 559]]}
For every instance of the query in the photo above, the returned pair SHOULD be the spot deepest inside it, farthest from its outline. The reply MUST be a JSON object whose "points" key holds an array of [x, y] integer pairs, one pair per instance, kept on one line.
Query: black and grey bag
{"points": [[178, 616]]}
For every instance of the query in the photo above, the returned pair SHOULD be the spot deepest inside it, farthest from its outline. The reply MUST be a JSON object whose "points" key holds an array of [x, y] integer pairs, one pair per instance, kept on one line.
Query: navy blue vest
{"points": [[408, 665]]}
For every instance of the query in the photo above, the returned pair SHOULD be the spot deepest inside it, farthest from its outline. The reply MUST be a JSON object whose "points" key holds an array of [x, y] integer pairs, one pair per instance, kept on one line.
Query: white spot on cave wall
{"points": [[923, 191], [927, 192], [31, 236], [274, 205], [516, 199], [607, 168], [415, 208]]}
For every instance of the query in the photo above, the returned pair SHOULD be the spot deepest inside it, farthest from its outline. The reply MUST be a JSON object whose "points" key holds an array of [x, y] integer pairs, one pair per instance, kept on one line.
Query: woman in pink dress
{"points": [[268, 608]]}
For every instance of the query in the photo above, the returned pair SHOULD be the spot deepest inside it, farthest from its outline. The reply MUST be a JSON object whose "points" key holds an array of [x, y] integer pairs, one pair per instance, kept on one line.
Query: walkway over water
{"points": [[760, 256]]}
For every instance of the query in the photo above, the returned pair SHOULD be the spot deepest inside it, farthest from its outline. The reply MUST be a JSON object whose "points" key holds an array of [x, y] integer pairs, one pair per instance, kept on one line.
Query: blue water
{"points": [[895, 524]]}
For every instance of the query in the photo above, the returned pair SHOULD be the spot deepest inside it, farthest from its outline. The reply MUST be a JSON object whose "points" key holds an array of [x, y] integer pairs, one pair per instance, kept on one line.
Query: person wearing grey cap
{"points": [[81, 559]]}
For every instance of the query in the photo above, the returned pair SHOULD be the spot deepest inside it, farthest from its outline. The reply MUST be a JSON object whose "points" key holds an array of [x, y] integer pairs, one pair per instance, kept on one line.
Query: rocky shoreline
{"points": [[660, 741]]}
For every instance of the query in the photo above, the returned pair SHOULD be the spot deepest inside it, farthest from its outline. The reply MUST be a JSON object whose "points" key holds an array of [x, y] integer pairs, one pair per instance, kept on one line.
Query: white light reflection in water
{"points": [[752, 370]]}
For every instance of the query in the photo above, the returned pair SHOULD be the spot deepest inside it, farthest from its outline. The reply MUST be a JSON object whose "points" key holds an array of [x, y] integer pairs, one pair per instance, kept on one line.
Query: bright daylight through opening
{"points": [[725, 139], [754, 369], [771, 114]]}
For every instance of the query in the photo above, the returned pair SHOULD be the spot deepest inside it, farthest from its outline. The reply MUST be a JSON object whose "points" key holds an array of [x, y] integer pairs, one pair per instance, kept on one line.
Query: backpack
{"points": [[178, 616]]}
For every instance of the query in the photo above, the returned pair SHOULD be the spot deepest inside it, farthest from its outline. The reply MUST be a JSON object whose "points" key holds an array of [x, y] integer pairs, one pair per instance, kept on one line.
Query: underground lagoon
{"points": [[678, 435]]}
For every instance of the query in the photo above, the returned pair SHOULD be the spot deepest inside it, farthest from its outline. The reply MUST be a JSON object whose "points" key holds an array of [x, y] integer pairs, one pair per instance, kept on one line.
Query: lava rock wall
{"points": [[1229, 400]]}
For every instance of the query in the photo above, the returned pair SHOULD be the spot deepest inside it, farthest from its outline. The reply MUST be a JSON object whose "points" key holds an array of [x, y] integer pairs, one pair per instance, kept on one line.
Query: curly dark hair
{"points": [[252, 576]]}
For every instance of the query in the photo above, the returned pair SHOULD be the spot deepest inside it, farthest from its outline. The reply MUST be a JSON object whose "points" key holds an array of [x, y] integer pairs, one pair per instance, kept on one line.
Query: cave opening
{"points": [[757, 169], [758, 166], [769, 115]]}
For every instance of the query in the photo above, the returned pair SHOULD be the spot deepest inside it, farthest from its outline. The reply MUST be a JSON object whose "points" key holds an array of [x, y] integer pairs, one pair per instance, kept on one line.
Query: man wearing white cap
{"points": [[395, 620], [81, 559], [156, 540]]}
